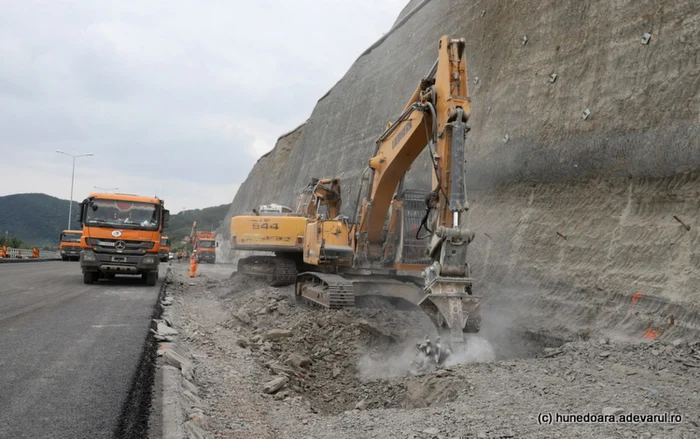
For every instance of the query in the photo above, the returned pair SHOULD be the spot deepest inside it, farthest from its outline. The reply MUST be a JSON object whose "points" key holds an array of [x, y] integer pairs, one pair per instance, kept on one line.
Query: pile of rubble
{"points": [[182, 412], [328, 356], [267, 367]]}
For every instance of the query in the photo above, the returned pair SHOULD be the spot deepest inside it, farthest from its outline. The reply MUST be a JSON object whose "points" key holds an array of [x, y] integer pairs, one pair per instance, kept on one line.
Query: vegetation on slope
{"points": [[208, 219], [36, 219]]}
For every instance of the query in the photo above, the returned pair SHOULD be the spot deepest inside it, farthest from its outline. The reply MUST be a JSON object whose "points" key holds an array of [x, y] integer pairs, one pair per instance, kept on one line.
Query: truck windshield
{"points": [[122, 214], [70, 237], [206, 244]]}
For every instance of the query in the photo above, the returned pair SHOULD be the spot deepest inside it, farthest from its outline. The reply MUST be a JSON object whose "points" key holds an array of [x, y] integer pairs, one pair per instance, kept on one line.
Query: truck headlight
{"points": [[149, 260], [88, 256]]}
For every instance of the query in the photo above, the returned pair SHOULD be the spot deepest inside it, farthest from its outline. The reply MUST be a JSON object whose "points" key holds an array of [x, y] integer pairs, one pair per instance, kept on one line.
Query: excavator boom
{"points": [[436, 117], [362, 258]]}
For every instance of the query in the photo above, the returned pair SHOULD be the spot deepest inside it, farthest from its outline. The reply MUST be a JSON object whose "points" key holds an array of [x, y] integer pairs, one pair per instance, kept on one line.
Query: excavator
{"points": [[279, 229], [377, 254]]}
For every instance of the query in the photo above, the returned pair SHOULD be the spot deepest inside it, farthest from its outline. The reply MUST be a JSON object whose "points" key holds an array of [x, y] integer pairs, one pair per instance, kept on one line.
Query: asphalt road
{"points": [[68, 351]]}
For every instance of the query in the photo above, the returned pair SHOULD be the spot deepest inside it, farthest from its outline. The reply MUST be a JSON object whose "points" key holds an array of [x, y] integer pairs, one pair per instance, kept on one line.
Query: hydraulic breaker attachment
{"points": [[449, 301], [451, 308]]}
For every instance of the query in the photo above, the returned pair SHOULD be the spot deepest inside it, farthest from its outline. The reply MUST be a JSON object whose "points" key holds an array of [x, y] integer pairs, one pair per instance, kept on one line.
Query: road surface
{"points": [[68, 351]]}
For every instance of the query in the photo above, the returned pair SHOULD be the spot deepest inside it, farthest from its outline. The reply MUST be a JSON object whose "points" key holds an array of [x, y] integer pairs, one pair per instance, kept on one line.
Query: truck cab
{"points": [[205, 244], [164, 252], [69, 248], [121, 235]]}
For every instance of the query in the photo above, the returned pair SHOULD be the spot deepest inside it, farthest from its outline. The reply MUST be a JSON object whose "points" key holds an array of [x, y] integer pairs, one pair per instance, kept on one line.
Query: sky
{"points": [[174, 98]]}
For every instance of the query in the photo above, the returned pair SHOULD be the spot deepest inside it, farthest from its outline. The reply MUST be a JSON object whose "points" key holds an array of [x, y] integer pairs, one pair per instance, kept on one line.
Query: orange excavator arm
{"points": [[435, 116], [362, 257]]}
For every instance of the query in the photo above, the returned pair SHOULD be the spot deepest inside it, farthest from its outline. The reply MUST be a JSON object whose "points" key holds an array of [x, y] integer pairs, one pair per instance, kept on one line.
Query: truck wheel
{"points": [[151, 278], [89, 277]]}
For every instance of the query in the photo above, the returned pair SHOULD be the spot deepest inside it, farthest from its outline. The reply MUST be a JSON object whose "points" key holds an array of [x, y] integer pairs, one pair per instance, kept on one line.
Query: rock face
{"points": [[610, 183]]}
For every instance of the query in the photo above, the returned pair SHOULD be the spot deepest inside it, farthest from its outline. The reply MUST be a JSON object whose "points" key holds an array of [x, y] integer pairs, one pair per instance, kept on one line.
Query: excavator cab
{"points": [[411, 237]]}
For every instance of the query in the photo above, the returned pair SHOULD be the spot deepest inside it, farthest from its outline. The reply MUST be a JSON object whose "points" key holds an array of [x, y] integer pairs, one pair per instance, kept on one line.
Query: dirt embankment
{"points": [[348, 374]]}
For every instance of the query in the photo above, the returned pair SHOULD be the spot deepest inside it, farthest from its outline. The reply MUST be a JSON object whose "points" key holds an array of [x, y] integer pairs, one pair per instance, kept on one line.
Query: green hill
{"points": [[208, 219], [37, 219]]}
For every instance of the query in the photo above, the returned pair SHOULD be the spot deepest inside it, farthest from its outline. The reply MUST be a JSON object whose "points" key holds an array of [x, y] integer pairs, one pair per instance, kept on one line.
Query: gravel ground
{"points": [[349, 374]]}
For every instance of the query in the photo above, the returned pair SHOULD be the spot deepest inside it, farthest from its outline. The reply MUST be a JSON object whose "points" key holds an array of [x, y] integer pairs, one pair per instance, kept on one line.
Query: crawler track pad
{"points": [[325, 290], [273, 270]]}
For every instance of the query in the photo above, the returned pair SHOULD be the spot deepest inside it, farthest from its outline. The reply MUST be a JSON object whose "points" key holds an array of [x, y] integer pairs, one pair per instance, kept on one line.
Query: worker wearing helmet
{"points": [[194, 262]]}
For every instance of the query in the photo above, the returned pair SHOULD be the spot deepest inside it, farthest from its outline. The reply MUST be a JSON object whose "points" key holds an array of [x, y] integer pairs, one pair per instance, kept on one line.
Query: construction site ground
{"points": [[349, 373]]}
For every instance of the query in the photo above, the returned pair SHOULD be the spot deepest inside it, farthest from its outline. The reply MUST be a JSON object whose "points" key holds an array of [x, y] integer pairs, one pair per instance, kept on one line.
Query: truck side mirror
{"points": [[217, 243], [166, 218], [81, 208]]}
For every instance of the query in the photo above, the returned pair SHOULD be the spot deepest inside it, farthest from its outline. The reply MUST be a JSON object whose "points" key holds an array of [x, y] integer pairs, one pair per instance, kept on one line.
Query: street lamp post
{"points": [[110, 189], [72, 179]]}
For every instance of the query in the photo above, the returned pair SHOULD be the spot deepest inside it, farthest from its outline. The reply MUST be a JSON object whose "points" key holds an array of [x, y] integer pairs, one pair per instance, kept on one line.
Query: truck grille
{"points": [[100, 245]]}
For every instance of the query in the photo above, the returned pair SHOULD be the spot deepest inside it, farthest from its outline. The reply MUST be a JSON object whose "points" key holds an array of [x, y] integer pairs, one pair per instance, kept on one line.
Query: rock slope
{"points": [[562, 204]]}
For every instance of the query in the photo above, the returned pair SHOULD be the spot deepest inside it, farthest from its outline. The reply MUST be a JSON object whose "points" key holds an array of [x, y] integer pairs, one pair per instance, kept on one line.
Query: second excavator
{"points": [[279, 229], [378, 252]]}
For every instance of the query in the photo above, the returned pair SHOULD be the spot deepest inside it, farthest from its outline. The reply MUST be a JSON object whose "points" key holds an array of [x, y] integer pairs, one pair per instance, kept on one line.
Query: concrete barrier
{"points": [[19, 253], [9, 254]]}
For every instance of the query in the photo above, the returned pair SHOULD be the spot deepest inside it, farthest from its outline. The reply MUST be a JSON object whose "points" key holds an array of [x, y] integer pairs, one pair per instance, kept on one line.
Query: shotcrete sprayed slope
{"points": [[611, 183]]}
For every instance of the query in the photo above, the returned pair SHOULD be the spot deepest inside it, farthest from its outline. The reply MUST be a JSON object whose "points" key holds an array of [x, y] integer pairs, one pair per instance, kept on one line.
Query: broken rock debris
{"points": [[333, 374]]}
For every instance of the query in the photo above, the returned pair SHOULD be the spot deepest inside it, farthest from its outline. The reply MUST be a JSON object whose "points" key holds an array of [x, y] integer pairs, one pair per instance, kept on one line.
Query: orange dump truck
{"points": [[69, 248], [205, 244], [121, 235]]}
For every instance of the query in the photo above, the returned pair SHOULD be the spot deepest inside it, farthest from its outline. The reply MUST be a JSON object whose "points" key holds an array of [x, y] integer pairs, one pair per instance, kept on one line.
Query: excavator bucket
{"points": [[451, 307]]}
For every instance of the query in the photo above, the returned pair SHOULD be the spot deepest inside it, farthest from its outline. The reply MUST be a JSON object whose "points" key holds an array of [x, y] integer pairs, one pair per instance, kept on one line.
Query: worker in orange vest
{"points": [[193, 263]]}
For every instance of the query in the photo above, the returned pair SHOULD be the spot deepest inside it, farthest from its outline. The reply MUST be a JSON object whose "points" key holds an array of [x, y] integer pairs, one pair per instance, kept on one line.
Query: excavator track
{"points": [[324, 290], [273, 270]]}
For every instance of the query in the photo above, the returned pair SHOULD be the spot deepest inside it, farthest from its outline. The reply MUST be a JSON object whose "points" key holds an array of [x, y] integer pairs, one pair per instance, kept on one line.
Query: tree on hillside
{"points": [[209, 219], [13, 242]]}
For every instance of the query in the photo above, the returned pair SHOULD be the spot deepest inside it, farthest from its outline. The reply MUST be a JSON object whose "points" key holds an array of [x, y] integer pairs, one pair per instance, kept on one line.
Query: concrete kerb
{"points": [[15, 260], [182, 412]]}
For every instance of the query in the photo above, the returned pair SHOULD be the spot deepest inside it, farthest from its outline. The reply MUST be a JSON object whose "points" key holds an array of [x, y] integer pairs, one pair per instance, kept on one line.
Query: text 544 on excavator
{"points": [[346, 259]]}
